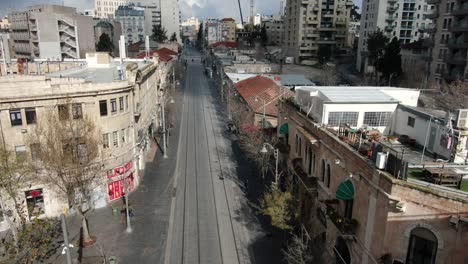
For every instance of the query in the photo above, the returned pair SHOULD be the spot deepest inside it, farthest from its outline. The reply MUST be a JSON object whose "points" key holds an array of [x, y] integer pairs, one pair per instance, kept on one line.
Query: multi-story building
{"points": [[107, 8], [228, 29], [4, 24], [449, 40], [310, 24], [170, 17], [112, 28], [123, 104], [5, 48], [396, 18], [190, 28], [132, 19], [51, 32], [274, 26], [213, 31], [356, 206]]}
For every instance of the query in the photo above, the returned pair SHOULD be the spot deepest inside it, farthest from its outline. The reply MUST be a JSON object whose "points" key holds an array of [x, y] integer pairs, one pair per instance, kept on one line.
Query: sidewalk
{"points": [[151, 205]]}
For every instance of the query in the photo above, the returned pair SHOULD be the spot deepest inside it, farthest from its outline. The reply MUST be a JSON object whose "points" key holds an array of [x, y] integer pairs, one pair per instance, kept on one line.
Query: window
{"points": [[411, 121], [328, 175], [115, 139], [422, 248], [63, 112], [20, 153], [342, 118], [30, 116], [122, 134], [121, 103], [15, 117], [323, 170], [348, 212], [103, 107], [35, 203], [113, 106], [77, 111], [105, 140], [35, 151], [377, 119]]}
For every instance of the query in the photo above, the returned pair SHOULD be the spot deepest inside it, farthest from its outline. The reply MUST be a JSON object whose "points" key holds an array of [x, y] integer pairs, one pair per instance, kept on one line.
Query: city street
{"points": [[211, 221]]}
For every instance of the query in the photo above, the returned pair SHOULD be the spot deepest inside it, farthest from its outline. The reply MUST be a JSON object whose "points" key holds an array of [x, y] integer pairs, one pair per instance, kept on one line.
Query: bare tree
{"points": [[329, 76], [298, 250], [452, 96], [67, 144]]}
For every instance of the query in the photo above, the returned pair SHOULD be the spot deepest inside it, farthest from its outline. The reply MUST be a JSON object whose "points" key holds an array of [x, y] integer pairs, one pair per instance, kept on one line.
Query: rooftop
{"points": [[294, 80], [164, 54]]}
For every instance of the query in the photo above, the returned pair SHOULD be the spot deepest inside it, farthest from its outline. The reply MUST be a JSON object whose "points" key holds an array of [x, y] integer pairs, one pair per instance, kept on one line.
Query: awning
{"points": [[345, 190], [284, 129], [307, 135]]}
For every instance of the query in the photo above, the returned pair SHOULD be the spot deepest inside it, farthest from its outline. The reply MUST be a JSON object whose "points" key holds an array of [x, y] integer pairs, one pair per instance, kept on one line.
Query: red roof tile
{"points": [[164, 54], [227, 44], [264, 90], [228, 19]]}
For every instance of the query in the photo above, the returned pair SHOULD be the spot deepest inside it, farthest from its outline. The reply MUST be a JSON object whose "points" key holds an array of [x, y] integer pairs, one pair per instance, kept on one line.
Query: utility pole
{"points": [[66, 242], [127, 204]]}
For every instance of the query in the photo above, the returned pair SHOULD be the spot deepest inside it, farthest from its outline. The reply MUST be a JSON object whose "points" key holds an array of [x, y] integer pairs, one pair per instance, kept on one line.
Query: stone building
{"points": [[274, 26], [122, 99], [355, 210], [228, 29]]}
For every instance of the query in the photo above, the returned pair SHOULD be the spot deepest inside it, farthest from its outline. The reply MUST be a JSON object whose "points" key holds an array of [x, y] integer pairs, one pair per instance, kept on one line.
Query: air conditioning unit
{"points": [[462, 119], [381, 160]]}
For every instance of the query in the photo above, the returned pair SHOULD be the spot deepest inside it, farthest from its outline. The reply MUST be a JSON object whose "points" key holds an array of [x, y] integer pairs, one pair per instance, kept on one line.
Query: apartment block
{"points": [[190, 28], [170, 17], [311, 24], [51, 32], [107, 8], [449, 35], [274, 26], [229, 29], [406, 20], [132, 19]]}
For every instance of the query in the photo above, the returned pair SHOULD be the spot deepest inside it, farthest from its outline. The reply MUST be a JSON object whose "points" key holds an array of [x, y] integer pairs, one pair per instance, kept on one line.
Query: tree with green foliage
{"points": [[355, 15], [263, 36], [324, 53], [278, 206], [159, 33], [391, 61], [173, 37], [376, 44], [105, 44], [200, 35]]}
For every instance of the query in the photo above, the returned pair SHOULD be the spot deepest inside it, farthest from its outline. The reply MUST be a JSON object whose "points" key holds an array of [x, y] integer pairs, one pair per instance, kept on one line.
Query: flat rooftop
{"points": [[98, 75]]}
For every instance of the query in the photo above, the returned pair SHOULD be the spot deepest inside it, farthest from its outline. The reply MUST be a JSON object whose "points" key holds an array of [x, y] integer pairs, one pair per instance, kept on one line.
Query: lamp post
{"points": [[264, 150], [164, 124], [129, 226]]}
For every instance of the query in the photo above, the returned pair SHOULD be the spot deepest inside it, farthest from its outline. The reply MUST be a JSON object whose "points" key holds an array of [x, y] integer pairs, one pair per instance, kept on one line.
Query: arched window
{"points": [[328, 175], [422, 248], [311, 160], [323, 170]]}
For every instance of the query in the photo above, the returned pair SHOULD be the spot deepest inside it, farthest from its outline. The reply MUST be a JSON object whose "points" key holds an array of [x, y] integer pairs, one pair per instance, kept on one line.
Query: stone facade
{"points": [[384, 214]]}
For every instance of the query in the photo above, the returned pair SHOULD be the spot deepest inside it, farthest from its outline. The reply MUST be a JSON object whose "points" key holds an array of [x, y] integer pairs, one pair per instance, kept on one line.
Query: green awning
{"points": [[284, 129], [345, 190]]}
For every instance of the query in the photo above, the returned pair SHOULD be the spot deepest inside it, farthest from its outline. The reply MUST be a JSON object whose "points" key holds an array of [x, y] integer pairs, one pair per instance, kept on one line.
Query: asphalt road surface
{"points": [[201, 227]]}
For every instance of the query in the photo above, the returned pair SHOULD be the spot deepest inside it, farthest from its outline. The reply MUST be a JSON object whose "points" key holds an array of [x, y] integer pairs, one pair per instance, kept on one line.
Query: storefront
{"points": [[121, 179]]}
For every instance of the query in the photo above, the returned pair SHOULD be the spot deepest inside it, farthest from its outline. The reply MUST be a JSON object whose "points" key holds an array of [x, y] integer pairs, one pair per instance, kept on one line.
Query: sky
{"points": [[197, 8]]}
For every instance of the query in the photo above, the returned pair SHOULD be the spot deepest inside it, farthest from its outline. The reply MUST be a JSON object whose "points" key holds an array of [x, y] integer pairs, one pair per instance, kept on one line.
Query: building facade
{"points": [[228, 29], [313, 24], [274, 26], [406, 20], [355, 212], [190, 28], [132, 19], [123, 104], [51, 32], [449, 41], [4, 24], [170, 17], [112, 28], [107, 8]]}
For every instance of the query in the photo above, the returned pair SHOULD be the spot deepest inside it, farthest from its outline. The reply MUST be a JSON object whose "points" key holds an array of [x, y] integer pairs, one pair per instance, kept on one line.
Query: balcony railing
{"points": [[389, 28], [460, 11], [455, 59], [433, 14], [459, 27], [433, 2], [345, 225], [457, 43]]}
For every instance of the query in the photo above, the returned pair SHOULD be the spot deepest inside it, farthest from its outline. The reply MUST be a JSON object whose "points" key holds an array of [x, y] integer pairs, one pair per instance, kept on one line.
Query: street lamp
{"points": [[171, 101], [264, 150]]}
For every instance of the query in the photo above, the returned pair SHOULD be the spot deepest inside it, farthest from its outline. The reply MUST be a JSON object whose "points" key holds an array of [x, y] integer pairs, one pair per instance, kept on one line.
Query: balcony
{"points": [[433, 2], [456, 59], [430, 29], [409, 9], [411, 18], [326, 40], [328, 14], [432, 15], [461, 11], [389, 28], [459, 27], [453, 75], [407, 27], [390, 18], [459, 43], [345, 225], [391, 9]]}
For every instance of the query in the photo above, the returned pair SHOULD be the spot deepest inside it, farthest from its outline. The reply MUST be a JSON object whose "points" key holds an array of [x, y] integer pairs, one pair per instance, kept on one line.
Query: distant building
{"points": [[257, 19], [403, 19], [112, 28], [312, 25], [4, 24], [5, 48], [190, 28], [170, 17], [274, 26], [228, 29], [107, 8], [132, 19], [51, 32], [415, 58], [213, 31], [353, 34]]}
